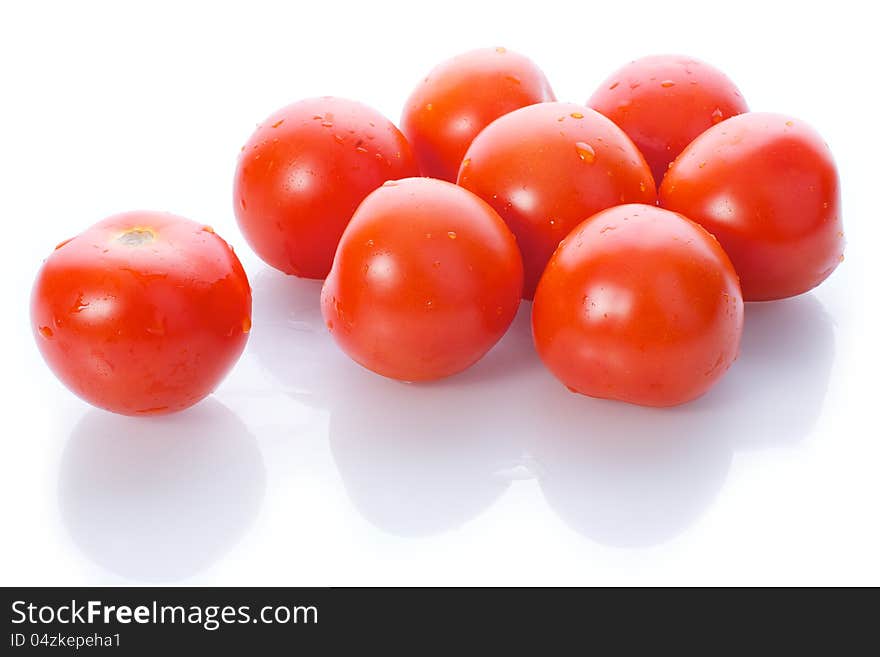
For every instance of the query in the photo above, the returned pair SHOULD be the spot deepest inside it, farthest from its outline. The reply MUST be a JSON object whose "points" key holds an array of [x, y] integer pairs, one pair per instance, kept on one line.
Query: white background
{"points": [[304, 469]]}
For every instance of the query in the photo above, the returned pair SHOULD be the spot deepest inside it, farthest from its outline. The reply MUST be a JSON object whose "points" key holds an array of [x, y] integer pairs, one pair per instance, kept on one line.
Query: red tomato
{"points": [[638, 304], [426, 279], [766, 186], [462, 96], [143, 313], [663, 102], [546, 168], [305, 170]]}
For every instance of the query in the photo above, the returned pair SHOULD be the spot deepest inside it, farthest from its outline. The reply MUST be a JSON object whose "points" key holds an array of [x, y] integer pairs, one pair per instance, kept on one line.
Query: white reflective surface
{"points": [[303, 468]]}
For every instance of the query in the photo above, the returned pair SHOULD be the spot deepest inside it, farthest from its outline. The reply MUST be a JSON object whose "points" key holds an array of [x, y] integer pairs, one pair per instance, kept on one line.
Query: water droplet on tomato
{"points": [[717, 116], [451, 235], [585, 152], [667, 83]]}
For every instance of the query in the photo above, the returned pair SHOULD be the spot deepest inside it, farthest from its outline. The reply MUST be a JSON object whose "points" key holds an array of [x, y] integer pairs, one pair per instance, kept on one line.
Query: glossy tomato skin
{"points": [[545, 168], [641, 305], [664, 102], [305, 170], [462, 96], [426, 279], [767, 187], [144, 313]]}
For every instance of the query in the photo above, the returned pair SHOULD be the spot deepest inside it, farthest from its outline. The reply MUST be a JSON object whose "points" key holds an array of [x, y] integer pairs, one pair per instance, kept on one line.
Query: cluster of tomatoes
{"points": [[639, 223]]}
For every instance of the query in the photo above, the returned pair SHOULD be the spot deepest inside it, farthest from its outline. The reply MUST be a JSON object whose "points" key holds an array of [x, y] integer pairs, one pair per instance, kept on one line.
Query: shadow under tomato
{"points": [[422, 459], [160, 499]]}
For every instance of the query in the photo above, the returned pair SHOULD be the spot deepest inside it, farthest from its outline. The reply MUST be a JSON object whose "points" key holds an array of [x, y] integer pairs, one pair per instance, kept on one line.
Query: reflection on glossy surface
{"points": [[422, 459], [289, 337], [159, 499], [773, 394]]}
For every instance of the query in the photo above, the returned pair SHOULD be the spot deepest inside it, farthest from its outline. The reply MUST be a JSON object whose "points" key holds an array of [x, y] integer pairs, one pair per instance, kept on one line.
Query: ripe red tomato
{"points": [[143, 313], [641, 305], [663, 102], [426, 279], [462, 96], [766, 186], [547, 167], [305, 170]]}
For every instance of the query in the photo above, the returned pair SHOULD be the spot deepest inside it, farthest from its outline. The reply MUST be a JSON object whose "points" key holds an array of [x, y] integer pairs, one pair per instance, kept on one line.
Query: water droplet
{"points": [[246, 325], [613, 86], [389, 183], [501, 50], [242, 204], [451, 235], [429, 303], [330, 324], [702, 164], [717, 116], [327, 124], [361, 149], [429, 106], [277, 123], [60, 244], [825, 205], [577, 115], [642, 186], [605, 229], [46, 332], [841, 258], [436, 263], [561, 118], [667, 83], [370, 243], [339, 138], [585, 152], [789, 123], [635, 85], [466, 163]]}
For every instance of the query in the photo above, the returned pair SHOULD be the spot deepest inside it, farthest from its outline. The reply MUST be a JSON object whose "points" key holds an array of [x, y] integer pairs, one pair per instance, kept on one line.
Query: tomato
{"points": [[546, 168], [143, 313], [462, 96], [641, 305], [663, 102], [426, 279], [766, 186], [305, 170]]}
